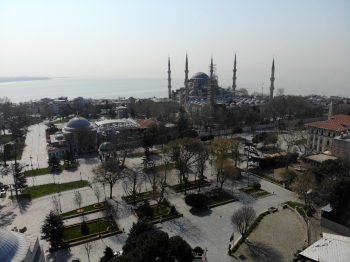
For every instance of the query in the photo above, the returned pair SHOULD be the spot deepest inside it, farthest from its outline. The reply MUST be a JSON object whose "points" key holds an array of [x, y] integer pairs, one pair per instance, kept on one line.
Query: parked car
{"points": [[118, 253]]}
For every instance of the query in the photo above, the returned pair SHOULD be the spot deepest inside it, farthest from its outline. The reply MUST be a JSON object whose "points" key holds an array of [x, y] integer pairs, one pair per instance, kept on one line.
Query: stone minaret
{"points": [[272, 81], [212, 84], [169, 79], [234, 79], [330, 112], [186, 80]]}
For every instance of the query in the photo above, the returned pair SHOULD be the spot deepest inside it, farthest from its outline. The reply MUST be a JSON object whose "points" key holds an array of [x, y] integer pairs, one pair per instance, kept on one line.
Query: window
{"points": [[320, 141], [327, 142], [329, 133], [322, 133]]}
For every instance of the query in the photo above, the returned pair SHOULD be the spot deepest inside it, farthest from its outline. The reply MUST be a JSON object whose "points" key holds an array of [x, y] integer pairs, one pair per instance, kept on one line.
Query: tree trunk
{"points": [[110, 188]]}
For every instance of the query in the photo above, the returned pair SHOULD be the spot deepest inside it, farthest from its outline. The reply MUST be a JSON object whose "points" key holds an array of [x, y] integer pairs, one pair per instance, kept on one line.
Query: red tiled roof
{"points": [[143, 123], [336, 123]]}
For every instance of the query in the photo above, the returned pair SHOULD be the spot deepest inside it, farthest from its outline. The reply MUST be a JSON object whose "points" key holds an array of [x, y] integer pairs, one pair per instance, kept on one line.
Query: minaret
{"points": [[234, 79], [169, 79], [212, 84], [211, 68], [330, 111], [272, 81], [186, 80]]}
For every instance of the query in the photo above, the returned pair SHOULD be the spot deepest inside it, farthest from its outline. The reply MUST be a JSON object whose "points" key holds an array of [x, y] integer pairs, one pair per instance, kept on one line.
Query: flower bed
{"points": [[140, 197], [85, 209], [164, 213], [96, 227], [256, 193]]}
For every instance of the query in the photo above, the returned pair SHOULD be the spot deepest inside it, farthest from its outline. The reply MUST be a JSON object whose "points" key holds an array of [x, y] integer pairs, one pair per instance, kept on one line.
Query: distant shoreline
{"points": [[26, 78]]}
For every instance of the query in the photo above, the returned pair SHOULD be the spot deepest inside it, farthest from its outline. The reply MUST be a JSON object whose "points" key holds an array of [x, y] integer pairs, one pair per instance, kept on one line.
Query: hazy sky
{"points": [[310, 41]]}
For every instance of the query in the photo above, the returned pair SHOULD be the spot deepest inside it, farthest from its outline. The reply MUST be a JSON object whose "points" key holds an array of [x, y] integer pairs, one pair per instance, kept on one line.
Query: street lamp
{"points": [[80, 176], [37, 159], [104, 190], [59, 195]]}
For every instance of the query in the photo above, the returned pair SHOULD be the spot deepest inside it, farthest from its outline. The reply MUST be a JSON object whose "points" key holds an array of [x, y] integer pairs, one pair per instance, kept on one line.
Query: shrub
{"points": [[198, 250], [84, 229], [204, 138], [210, 136], [196, 200], [256, 185], [172, 210], [146, 210]]}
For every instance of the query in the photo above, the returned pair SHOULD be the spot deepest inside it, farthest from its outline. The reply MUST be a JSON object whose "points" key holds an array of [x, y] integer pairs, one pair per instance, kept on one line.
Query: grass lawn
{"points": [[140, 196], [253, 192], [142, 154], [95, 227], [299, 207], [48, 189], [48, 170], [85, 209], [219, 196], [5, 139], [190, 184]]}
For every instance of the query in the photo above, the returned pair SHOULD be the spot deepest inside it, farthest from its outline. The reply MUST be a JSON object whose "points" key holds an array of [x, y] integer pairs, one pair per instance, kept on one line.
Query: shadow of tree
{"points": [[6, 219], [23, 204], [58, 256], [200, 212], [262, 252]]}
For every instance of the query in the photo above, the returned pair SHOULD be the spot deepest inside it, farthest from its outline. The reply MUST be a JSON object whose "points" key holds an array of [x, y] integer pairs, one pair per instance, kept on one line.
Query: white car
{"points": [[118, 253], [3, 192]]}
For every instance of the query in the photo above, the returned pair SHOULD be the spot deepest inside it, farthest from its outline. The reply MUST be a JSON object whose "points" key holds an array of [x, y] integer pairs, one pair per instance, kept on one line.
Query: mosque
{"points": [[203, 89]]}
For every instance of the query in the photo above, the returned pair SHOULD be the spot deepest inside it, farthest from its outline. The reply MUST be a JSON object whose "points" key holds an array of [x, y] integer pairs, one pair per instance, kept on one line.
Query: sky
{"points": [[309, 40]]}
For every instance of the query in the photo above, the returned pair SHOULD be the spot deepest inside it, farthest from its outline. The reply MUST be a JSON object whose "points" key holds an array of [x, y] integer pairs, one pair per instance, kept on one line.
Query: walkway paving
{"points": [[277, 237]]}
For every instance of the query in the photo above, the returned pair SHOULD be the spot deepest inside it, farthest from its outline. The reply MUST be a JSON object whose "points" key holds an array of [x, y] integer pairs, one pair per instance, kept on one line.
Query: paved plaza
{"points": [[209, 229]]}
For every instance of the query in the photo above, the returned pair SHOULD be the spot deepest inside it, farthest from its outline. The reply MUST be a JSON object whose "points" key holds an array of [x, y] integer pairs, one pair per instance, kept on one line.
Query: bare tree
{"points": [[97, 194], [77, 198], [133, 183], [125, 142], [304, 186], [223, 169], [108, 172], [111, 210], [243, 218], [88, 248], [280, 92]]}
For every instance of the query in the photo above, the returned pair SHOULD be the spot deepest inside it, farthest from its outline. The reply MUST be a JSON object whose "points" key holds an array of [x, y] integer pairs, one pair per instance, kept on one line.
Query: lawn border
{"points": [[269, 194], [83, 213]]}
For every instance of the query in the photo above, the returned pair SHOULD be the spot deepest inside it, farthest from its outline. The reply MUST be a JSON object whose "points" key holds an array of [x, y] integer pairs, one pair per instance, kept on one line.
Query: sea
{"points": [[25, 91]]}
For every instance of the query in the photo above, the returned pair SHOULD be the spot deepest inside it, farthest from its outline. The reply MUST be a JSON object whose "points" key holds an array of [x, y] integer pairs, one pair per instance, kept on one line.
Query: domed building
{"points": [[75, 123], [17, 247], [106, 150], [77, 136]]}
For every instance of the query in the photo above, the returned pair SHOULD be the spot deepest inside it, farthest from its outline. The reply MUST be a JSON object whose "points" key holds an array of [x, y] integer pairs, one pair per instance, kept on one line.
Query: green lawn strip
{"points": [[4, 139], [221, 196], [253, 192], [48, 170], [48, 189], [96, 227], [140, 196], [142, 154], [85, 209], [190, 184], [300, 208]]}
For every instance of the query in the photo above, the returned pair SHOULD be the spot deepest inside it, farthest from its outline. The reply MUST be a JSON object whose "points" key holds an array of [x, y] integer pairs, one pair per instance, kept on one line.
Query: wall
{"points": [[344, 231]]}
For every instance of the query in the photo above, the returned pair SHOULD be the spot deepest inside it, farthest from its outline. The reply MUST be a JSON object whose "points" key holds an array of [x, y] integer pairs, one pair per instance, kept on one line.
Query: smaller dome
{"points": [[193, 93], [59, 136], [106, 147]]}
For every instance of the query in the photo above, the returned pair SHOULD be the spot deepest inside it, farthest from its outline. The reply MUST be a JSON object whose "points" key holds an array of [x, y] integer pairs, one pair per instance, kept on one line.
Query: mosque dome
{"points": [[59, 136], [200, 75], [77, 122], [14, 246], [106, 147], [193, 93]]}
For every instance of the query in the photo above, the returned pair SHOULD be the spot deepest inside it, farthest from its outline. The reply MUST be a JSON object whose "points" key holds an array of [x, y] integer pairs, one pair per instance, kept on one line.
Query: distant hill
{"points": [[22, 78]]}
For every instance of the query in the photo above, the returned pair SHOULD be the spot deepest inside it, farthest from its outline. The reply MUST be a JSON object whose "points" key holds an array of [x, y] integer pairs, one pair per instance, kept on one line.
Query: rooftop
{"points": [[336, 123], [319, 158], [332, 248]]}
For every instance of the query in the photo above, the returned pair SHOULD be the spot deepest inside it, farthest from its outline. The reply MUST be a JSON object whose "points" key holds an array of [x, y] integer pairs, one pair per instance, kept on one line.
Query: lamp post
{"points": [[104, 191], [59, 195], [37, 159], [80, 176]]}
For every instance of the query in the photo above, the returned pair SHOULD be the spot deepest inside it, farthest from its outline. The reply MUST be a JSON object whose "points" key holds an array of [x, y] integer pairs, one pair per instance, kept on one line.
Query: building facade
{"points": [[322, 134]]}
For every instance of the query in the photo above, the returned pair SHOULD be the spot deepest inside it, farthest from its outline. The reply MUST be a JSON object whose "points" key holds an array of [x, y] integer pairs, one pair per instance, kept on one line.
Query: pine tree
{"points": [[84, 229], [53, 229]]}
